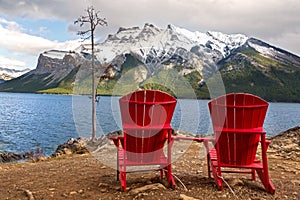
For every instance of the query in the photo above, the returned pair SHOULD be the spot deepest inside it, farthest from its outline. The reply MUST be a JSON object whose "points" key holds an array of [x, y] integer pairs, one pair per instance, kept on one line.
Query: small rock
{"points": [[234, 182], [258, 198], [185, 197], [67, 151], [73, 192], [80, 191], [296, 182], [223, 196], [64, 195], [103, 190], [103, 185], [116, 187], [155, 186]]}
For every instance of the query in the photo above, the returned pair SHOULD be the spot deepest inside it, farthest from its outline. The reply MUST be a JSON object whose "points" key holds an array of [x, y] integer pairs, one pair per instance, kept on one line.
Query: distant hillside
{"points": [[7, 74], [274, 76]]}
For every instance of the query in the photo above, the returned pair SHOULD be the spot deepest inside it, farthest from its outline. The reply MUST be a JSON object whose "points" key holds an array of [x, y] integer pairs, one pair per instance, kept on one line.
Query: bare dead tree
{"points": [[93, 19]]}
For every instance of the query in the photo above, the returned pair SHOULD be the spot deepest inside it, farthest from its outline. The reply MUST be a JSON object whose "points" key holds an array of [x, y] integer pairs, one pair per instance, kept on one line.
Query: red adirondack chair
{"points": [[238, 129], [146, 117]]}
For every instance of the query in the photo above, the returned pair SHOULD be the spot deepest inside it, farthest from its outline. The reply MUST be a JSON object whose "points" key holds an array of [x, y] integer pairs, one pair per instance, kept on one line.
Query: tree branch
{"points": [[93, 18]]}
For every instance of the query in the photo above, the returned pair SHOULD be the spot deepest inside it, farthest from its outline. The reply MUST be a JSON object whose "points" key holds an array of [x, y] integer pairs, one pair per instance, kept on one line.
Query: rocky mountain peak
{"points": [[123, 29], [150, 39]]}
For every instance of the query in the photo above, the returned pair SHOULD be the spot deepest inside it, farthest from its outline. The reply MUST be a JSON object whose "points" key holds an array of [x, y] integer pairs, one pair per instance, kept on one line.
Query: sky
{"points": [[30, 27]]}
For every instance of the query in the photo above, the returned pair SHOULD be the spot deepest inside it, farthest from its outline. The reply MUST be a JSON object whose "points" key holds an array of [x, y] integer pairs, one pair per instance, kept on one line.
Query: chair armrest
{"points": [[117, 140], [206, 142], [268, 142]]}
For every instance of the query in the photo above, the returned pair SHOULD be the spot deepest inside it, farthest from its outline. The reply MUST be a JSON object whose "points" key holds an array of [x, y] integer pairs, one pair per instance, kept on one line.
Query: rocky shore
{"points": [[10, 157], [73, 172], [287, 144]]}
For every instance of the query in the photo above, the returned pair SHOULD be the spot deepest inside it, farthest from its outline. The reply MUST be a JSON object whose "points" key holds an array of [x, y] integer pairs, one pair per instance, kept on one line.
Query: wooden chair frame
{"points": [[146, 117], [238, 130]]}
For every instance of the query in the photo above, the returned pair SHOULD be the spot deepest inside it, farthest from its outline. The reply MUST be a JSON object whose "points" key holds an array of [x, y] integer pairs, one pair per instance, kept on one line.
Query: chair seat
{"points": [[239, 130], [213, 157], [161, 160]]}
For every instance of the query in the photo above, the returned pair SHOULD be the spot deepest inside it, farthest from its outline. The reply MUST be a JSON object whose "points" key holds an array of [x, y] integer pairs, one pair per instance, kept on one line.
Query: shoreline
{"points": [[79, 146], [116, 95]]}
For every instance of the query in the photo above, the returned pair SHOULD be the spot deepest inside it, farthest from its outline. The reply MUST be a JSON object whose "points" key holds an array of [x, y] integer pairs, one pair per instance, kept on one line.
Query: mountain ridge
{"points": [[243, 62], [7, 74]]}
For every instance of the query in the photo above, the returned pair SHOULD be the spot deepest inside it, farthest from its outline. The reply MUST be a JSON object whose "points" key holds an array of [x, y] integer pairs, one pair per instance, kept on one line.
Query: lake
{"points": [[31, 120]]}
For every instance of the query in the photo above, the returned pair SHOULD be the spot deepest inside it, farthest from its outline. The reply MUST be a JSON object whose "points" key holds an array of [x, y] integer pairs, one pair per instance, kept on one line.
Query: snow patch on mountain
{"points": [[57, 54], [153, 46], [12, 73], [221, 42], [151, 39], [265, 50]]}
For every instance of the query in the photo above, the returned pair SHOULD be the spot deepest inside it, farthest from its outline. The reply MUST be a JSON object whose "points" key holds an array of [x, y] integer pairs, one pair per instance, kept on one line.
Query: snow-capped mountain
{"points": [[143, 40], [8, 74], [153, 45], [245, 64]]}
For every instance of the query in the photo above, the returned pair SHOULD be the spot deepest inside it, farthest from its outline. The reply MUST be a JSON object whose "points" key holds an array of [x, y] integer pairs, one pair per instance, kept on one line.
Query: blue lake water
{"points": [[30, 120]]}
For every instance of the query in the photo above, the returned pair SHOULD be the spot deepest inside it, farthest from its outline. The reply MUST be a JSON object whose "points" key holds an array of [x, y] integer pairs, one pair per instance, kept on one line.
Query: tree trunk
{"points": [[93, 92]]}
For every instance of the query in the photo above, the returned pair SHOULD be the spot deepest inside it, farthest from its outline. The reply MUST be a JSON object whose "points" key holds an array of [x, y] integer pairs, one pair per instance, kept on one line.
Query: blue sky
{"points": [[30, 27], [47, 28]]}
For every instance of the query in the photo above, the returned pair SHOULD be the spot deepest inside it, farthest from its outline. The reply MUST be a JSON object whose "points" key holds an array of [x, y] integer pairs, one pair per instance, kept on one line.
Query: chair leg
{"points": [[165, 171], [170, 177], [266, 181], [208, 166], [253, 174], [220, 183], [161, 173], [123, 180], [118, 168], [218, 177]]}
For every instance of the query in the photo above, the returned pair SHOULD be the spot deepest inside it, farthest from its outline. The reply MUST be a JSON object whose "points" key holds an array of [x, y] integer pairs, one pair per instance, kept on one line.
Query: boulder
{"points": [[72, 146]]}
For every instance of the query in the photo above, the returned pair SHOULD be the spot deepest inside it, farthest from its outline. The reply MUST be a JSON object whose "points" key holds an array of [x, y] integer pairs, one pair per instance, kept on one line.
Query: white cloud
{"points": [[274, 21], [22, 42], [258, 18], [10, 25], [11, 63], [289, 41], [264, 19], [15, 41]]}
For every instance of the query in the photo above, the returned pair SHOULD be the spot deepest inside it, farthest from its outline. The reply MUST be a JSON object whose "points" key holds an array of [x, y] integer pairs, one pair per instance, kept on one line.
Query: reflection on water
{"points": [[30, 120]]}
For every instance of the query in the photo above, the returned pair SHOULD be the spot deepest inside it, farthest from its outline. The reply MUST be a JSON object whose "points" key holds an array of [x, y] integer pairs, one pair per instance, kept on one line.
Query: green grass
{"points": [[56, 91]]}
